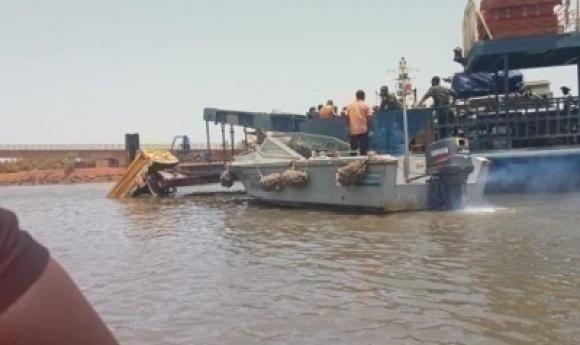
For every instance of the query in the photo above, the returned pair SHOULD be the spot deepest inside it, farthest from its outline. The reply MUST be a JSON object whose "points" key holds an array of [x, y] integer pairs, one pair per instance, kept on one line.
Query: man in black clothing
{"points": [[443, 99], [388, 100]]}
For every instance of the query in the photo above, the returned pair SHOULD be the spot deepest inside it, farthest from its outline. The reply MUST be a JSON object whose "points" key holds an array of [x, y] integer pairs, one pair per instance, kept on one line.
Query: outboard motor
{"points": [[449, 164]]}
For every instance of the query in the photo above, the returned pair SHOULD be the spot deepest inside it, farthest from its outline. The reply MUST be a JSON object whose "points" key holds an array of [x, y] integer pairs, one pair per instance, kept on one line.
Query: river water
{"points": [[220, 270]]}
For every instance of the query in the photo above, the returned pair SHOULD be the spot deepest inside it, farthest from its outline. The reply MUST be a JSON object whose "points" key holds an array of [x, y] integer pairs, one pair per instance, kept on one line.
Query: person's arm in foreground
{"points": [[425, 96], [39, 302]]}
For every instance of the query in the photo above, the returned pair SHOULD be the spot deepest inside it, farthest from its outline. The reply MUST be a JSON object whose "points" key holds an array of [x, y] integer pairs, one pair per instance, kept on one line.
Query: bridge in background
{"points": [[92, 152], [79, 147]]}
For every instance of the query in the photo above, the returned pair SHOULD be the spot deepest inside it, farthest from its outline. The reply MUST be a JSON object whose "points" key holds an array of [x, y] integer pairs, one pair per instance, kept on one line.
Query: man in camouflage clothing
{"points": [[443, 99], [388, 100]]}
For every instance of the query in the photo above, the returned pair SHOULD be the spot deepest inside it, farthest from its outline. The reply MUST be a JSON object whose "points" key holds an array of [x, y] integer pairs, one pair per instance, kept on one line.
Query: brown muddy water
{"points": [[220, 270]]}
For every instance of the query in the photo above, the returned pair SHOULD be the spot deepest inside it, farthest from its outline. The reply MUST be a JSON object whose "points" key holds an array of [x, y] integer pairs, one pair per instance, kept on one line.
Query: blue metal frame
{"points": [[553, 169], [524, 52], [285, 122]]}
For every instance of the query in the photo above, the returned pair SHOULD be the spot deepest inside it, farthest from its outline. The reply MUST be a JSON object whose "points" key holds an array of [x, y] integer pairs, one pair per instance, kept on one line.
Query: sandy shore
{"points": [[44, 177]]}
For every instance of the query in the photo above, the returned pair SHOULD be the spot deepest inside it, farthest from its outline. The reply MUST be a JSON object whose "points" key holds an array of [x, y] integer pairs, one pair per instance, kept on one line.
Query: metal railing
{"points": [[517, 122], [89, 147]]}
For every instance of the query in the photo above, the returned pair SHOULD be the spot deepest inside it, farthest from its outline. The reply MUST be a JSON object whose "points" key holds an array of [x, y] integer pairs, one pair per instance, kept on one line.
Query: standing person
{"points": [[388, 100], [567, 99], [358, 114], [443, 98], [39, 302], [564, 126], [566, 92]]}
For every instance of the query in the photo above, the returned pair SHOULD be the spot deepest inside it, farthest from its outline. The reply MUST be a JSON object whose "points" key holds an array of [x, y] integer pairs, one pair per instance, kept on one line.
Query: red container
{"points": [[521, 27], [497, 27], [536, 31], [495, 4], [526, 11]]}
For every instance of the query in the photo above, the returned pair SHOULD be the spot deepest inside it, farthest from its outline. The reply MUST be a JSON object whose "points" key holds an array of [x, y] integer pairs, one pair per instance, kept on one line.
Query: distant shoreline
{"points": [[55, 177]]}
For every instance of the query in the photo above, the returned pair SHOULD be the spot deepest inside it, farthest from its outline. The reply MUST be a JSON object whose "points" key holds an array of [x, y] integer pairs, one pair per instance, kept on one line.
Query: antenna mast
{"points": [[404, 86]]}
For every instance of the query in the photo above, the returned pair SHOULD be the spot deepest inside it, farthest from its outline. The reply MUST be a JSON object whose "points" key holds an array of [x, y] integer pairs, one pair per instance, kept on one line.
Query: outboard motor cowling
{"points": [[448, 162]]}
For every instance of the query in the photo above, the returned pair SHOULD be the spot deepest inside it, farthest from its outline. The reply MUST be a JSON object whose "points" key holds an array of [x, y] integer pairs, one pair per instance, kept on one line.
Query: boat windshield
{"points": [[305, 144]]}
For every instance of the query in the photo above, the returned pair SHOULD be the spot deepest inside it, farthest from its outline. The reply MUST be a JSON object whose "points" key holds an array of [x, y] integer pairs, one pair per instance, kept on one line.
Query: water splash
{"points": [[482, 210]]}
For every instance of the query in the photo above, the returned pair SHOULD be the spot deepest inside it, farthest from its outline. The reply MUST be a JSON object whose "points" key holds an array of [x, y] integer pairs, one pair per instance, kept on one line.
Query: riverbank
{"points": [[44, 177]]}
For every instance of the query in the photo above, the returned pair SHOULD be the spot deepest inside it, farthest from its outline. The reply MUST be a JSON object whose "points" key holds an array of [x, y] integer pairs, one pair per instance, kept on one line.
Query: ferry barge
{"points": [[531, 136]]}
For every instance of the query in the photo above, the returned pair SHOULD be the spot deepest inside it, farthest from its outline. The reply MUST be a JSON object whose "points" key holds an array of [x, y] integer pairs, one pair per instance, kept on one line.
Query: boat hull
{"points": [[382, 189]]}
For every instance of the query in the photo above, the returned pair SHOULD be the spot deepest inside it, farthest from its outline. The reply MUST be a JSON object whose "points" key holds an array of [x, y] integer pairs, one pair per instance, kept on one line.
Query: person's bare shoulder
{"points": [[8, 226], [7, 217]]}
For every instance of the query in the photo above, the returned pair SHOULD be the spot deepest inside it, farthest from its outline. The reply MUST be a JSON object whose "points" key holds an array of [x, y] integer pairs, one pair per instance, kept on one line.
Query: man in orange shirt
{"points": [[328, 110], [358, 114]]}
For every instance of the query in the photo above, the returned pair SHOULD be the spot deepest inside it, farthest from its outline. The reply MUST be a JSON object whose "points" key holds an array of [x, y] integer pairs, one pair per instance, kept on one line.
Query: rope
{"points": [[294, 178], [227, 178], [348, 175], [259, 172], [291, 178], [271, 182]]}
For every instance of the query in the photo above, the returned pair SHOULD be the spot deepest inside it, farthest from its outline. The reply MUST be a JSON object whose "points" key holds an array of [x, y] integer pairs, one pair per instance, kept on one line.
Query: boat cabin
{"points": [[298, 146]]}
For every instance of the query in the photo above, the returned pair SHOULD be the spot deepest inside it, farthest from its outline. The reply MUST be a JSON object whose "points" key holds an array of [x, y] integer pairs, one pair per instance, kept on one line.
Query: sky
{"points": [[87, 72]]}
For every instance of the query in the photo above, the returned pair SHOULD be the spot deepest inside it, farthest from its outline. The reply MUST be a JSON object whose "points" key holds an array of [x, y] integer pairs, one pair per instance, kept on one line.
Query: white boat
{"points": [[298, 169], [314, 170]]}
